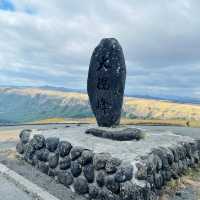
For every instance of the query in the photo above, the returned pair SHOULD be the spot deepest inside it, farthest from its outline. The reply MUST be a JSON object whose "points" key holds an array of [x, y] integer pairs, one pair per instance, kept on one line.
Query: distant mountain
{"points": [[172, 98], [61, 89], [26, 104]]}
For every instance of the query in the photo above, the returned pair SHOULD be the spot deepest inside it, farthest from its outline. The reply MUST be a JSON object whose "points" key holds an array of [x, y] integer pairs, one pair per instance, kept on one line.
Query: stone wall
{"points": [[101, 176]]}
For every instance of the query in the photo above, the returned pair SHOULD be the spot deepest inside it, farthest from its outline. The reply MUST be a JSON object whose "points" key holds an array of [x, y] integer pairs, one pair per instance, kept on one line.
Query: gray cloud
{"points": [[50, 42]]}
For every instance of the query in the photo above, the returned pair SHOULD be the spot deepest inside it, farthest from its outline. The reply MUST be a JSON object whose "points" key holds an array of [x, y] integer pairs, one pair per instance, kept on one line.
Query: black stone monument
{"points": [[106, 82]]}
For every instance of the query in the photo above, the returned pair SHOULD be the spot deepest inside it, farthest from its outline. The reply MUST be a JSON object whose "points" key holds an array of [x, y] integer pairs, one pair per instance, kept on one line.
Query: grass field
{"points": [[124, 121], [50, 106], [191, 179]]}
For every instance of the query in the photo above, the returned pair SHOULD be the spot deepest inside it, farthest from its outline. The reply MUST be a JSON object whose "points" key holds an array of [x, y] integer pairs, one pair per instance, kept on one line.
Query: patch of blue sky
{"points": [[7, 5], [30, 11]]}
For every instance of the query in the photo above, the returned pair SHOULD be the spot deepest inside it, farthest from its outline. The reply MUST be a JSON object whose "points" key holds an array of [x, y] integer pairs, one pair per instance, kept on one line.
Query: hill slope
{"points": [[31, 104]]}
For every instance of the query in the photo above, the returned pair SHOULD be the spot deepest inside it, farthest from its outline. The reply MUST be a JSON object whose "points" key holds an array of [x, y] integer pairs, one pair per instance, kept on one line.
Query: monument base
{"points": [[104, 169], [118, 133]]}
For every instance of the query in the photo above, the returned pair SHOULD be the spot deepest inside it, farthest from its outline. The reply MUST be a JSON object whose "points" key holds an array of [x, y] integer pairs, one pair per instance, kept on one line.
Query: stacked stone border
{"points": [[103, 177]]}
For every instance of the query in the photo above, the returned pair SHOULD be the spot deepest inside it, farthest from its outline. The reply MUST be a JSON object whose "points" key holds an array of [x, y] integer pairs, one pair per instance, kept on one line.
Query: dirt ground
{"points": [[185, 188]]}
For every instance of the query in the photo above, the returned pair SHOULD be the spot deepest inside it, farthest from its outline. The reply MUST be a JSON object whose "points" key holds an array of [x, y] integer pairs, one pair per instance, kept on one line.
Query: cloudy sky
{"points": [[50, 42]]}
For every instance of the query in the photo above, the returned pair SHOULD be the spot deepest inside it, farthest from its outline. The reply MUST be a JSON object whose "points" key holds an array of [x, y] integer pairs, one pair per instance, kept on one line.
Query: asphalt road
{"points": [[9, 191]]}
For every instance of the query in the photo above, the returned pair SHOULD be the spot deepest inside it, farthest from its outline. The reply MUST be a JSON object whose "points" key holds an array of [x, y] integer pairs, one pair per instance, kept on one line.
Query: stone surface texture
{"points": [[106, 82], [105, 176], [125, 134]]}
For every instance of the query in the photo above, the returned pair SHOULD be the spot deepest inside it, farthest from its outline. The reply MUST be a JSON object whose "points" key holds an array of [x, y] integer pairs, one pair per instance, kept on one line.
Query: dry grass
{"points": [[162, 109], [191, 179], [9, 153], [124, 121], [146, 111], [9, 135], [37, 91]]}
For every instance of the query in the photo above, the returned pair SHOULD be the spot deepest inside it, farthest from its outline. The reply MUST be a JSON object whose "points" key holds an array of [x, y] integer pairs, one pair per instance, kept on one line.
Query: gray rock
{"points": [[29, 153], [180, 167], [76, 168], [42, 154], [53, 160], [161, 152], [174, 170], [100, 160], [52, 143], [119, 135], [88, 172], [167, 175], [65, 163], [65, 177], [181, 151], [76, 152], [175, 154], [192, 161], [100, 178], [20, 148], [124, 173], [52, 172], [112, 164], [25, 136], [64, 148], [141, 173], [106, 82], [150, 180], [170, 156], [158, 180], [127, 191], [35, 161], [81, 185], [151, 163], [111, 184], [43, 167], [86, 157], [38, 141], [93, 191], [185, 167], [106, 194], [194, 146]]}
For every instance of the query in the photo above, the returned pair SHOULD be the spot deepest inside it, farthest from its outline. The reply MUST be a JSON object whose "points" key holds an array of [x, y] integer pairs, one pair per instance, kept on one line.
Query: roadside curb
{"points": [[26, 185]]}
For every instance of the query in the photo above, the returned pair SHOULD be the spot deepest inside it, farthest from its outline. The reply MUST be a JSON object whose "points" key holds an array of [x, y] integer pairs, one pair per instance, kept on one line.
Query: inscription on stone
{"points": [[106, 82]]}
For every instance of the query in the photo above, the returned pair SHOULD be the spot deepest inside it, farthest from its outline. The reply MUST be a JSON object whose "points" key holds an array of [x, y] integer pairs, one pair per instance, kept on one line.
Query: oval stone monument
{"points": [[106, 82]]}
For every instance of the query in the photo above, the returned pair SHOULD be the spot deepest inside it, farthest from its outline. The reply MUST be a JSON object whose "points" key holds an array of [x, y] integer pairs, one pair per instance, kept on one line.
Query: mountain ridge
{"points": [[172, 98], [27, 104]]}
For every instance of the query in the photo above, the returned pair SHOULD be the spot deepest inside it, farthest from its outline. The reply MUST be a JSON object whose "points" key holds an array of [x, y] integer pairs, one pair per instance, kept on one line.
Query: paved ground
{"points": [[185, 131], [9, 191]]}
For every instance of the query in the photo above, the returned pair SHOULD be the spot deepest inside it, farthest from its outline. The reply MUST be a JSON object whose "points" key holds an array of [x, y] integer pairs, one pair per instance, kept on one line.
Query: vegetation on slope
{"points": [[32, 104]]}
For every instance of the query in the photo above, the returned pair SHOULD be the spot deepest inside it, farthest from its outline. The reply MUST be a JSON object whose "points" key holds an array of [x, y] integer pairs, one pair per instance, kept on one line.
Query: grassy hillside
{"points": [[33, 104]]}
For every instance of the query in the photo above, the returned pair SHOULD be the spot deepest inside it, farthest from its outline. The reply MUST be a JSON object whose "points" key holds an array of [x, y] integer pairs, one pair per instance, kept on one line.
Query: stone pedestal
{"points": [[100, 168], [118, 133]]}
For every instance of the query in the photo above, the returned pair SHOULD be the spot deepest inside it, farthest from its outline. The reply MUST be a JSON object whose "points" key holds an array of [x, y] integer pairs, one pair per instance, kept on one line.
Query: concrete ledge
{"points": [[26, 185]]}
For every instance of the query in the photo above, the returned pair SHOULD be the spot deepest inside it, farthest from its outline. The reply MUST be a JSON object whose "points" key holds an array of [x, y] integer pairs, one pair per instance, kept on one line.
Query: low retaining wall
{"points": [[101, 176]]}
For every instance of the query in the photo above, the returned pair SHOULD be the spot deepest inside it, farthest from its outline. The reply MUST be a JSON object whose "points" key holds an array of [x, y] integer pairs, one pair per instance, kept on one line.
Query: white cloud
{"points": [[51, 42]]}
